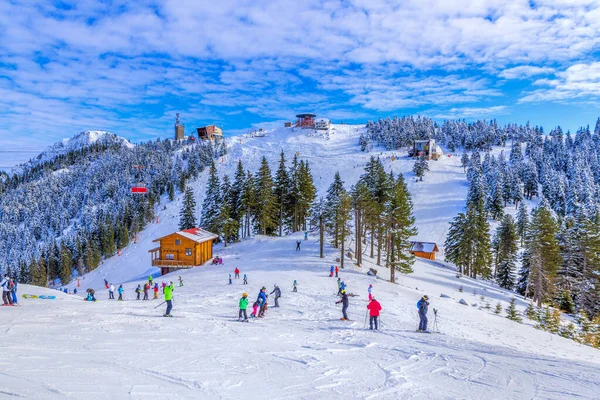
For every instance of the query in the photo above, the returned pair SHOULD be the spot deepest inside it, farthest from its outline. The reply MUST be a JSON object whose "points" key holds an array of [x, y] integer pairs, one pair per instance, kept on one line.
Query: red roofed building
{"points": [[183, 249]]}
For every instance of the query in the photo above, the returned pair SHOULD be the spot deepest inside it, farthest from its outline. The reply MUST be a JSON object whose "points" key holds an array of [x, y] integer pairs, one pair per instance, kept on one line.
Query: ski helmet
{"points": [[426, 298], [244, 294]]}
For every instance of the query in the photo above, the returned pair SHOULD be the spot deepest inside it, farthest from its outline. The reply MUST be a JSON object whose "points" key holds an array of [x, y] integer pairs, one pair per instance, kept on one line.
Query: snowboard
{"points": [[47, 297], [29, 296]]}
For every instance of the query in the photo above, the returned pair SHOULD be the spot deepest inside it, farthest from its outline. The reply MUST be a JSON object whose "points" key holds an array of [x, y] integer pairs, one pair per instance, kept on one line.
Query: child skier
{"points": [[295, 289], [277, 292], [374, 308], [156, 290], [168, 290], [339, 282], [243, 305], [369, 290], [150, 280], [423, 306], [230, 282], [331, 271], [146, 288], [237, 273], [120, 290], [305, 235], [106, 283], [298, 245], [345, 303], [336, 271], [111, 292], [262, 302], [138, 291], [180, 282], [245, 279], [254, 310]]}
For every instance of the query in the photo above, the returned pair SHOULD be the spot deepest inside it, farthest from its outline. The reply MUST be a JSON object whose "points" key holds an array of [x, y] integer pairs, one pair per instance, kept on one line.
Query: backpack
{"points": [[419, 303]]}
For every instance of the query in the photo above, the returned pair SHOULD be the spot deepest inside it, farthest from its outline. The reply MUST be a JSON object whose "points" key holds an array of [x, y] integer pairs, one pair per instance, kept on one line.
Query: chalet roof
{"points": [[198, 235], [424, 247], [306, 115]]}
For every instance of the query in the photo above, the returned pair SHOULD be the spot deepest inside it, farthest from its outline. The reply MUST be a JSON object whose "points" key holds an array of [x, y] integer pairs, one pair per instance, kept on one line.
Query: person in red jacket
{"points": [[374, 307], [237, 273], [336, 271]]}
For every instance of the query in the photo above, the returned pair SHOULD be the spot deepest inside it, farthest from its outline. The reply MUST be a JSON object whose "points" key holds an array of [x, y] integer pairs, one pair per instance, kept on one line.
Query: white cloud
{"points": [[525, 71], [579, 82], [472, 112]]}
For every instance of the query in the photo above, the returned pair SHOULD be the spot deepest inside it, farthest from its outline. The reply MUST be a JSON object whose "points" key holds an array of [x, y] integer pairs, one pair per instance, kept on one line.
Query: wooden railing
{"points": [[171, 263]]}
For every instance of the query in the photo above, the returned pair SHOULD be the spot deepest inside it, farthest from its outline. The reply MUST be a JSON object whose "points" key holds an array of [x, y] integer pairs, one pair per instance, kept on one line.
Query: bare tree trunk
{"points": [[392, 263], [321, 236], [379, 240], [280, 220], [372, 241], [342, 252]]}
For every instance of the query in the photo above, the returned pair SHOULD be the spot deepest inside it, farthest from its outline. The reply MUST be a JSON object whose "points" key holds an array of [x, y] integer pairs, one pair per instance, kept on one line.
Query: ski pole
{"points": [[366, 314], [160, 304]]}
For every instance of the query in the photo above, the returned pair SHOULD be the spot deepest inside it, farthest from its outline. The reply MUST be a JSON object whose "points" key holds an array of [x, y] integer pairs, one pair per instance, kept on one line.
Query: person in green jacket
{"points": [[168, 290], [243, 306]]}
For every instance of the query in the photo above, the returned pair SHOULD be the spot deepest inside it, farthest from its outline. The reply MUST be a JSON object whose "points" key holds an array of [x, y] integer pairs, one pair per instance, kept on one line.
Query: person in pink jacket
{"points": [[254, 310]]}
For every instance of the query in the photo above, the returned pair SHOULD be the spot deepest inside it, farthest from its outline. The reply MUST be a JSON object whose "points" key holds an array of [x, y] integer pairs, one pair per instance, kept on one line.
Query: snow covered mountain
{"points": [[301, 350], [77, 142]]}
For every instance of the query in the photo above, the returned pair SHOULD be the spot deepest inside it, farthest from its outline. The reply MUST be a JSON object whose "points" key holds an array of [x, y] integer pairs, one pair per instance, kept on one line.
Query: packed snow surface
{"points": [[69, 348]]}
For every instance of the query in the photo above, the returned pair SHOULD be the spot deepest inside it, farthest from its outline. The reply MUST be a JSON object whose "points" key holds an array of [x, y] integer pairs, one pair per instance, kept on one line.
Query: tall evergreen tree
{"points": [[306, 194], [266, 202], [343, 218], [187, 215], [282, 191], [332, 201], [400, 220], [506, 252], [66, 262], [211, 205], [522, 221]]}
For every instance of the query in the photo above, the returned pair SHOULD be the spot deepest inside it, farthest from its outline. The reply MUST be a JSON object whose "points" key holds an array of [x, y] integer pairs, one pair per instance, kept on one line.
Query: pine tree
{"points": [[464, 161], [248, 204], [532, 312], [66, 262], [543, 253], [236, 196], [522, 221], [187, 215], [343, 217], [332, 201], [400, 222], [171, 190], [498, 308], [282, 191], [512, 312], [38, 273], [266, 201], [211, 205], [506, 252], [421, 166]]}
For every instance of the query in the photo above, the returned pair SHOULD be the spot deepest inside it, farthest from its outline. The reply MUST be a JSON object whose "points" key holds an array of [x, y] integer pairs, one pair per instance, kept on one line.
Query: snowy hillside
{"points": [[298, 351], [77, 142], [302, 350]]}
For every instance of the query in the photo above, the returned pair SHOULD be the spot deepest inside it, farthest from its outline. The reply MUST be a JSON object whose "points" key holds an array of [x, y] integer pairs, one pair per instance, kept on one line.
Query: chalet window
{"points": [[188, 252], [170, 256], [178, 242]]}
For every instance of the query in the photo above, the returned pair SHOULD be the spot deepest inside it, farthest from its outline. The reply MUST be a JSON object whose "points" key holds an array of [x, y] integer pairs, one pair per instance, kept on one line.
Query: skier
{"points": [[343, 286], [254, 310], [90, 295], [13, 292], [423, 305], [344, 301], [150, 280], [180, 281], [331, 271], [245, 279], [120, 290], [156, 290], [237, 273], [339, 283], [305, 235], [295, 289], [146, 287], [243, 306], [138, 290], [75, 291], [230, 279], [374, 308], [106, 283], [6, 295], [168, 290], [336, 271], [262, 301], [111, 292], [298, 245], [277, 292], [369, 290]]}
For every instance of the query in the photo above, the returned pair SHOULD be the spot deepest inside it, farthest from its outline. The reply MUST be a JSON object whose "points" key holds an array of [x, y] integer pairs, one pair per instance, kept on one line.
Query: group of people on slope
{"points": [[9, 291], [260, 306], [236, 273], [217, 260]]}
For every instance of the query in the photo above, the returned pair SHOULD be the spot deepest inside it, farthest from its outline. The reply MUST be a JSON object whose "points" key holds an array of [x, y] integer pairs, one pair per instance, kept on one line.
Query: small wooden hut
{"points": [[424, 250], [183, 249]]}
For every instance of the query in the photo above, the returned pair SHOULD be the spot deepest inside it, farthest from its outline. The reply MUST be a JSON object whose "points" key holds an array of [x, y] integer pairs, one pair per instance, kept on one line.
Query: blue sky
{"points": [[127, 67]]}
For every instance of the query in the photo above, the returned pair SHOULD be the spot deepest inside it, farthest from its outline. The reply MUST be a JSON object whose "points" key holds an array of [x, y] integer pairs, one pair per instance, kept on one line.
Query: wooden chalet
{"points": [[306, 120], [210, 132], [183, 249], [426, 148], [424, 250]]}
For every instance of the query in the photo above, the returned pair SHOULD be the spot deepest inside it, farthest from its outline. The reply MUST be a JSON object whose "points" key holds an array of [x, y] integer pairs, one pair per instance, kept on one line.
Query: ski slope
{"points": [[68, 348]]}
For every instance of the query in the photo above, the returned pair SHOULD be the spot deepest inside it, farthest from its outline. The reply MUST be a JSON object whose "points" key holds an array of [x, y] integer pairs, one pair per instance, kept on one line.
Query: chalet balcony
{"points": [[171, 263]]}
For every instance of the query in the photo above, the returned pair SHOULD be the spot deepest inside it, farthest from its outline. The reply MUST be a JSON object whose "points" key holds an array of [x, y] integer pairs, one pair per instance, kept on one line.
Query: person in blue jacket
{"points": [[262, 301], [120, 290], [423, 306], [331, 271]]}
